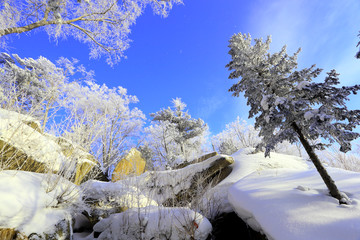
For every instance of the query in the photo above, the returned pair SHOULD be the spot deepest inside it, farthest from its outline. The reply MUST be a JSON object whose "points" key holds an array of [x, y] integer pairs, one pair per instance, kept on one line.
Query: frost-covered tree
{"points": [[174, 135], [288, 105], [37, 86], [101, 120], [65, 98], [102, 24], [160, 138], [238, 134]]}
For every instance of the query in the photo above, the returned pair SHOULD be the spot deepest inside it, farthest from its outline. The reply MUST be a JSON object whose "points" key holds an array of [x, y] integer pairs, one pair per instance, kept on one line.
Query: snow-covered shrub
{"points": [[154, 223]]}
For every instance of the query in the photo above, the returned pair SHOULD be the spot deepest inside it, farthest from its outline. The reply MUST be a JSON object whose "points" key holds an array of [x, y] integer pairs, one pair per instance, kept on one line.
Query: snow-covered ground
{"points": [[215, 200], [282, 197], [285, 199]]}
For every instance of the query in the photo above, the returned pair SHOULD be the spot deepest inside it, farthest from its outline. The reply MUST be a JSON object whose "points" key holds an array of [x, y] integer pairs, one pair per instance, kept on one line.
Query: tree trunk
{"points": [[330, 183]]}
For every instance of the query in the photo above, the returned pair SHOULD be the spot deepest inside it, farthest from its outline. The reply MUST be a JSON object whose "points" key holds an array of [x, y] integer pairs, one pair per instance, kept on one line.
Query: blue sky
{"points": [[184, 55]]}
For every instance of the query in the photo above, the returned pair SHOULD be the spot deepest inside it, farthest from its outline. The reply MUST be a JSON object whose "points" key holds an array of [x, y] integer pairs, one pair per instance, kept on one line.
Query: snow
{"points": [[264, 102], [29, 201], [279, 101], [123, 195], [163, 185], [302, 85], [282, 197], [154, 223], [216, 199], [294, 204], [15, 131]]}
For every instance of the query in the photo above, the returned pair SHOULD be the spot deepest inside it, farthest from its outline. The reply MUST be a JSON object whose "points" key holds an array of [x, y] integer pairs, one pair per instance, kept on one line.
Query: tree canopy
{"points": [[102, 24], [175, 136]]}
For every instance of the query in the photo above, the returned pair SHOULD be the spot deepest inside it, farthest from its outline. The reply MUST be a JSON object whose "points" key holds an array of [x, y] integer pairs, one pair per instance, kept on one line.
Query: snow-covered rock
{"points": [[106, 198], [38, 204], [23, 146], [165, 186]]}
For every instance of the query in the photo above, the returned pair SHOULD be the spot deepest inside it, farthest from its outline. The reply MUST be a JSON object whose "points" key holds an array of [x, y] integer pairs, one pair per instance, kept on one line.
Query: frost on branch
{"points": [[96, 117], [279, 94], [104, 25], [174, 136]]}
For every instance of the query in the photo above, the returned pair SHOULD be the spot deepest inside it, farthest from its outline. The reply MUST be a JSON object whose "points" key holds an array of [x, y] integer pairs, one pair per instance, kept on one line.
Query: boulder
{"points": [[11, 234], [196, 160], [84, 162], [23, 146], [40, 206], [209, 177], [131, 165], [179, 187]]}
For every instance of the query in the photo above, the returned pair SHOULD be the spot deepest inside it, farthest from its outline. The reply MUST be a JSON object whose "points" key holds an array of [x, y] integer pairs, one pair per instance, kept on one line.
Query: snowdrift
{"points": [[291, 201]]}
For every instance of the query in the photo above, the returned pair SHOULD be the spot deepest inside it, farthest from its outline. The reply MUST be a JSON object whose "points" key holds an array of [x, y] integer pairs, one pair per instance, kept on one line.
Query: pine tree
{"points": [[288, 105], [181, 133]]}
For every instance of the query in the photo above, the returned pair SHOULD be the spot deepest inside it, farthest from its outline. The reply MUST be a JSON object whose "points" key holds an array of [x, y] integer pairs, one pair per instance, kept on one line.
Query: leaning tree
{"points": [[288, 105]]}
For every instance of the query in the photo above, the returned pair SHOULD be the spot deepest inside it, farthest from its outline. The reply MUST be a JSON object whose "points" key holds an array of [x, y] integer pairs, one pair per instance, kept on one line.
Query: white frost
{"points": [[264, 102], [302, 84]]}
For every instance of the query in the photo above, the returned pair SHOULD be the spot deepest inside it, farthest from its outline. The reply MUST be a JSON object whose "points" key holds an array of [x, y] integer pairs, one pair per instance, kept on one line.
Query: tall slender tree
{"points": [[288, 105]]}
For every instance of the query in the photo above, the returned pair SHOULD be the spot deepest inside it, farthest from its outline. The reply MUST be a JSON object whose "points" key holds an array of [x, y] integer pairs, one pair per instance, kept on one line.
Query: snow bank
{"points": [[35, 203], [294, 204], [215, 200]]}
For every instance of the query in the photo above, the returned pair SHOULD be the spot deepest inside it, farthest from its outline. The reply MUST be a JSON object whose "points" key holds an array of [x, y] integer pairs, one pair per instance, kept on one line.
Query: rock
{"points": [[216, 171], [23, 146], [84, 161], [131, 165], [106, 198], [177, 187], [197, 160], [11, 234], [62, 230], [38, 205]]}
